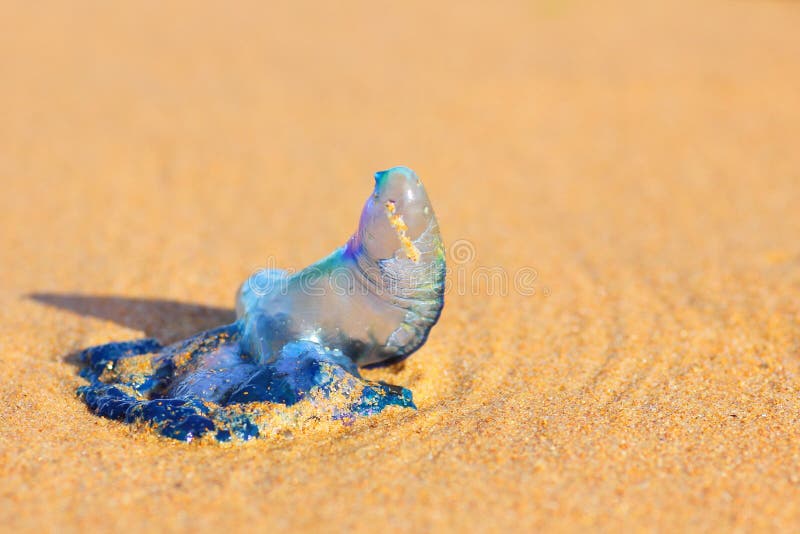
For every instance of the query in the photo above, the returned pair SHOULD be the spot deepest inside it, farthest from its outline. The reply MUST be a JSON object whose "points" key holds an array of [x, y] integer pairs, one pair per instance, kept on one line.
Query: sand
{"points": [[630, 170]]}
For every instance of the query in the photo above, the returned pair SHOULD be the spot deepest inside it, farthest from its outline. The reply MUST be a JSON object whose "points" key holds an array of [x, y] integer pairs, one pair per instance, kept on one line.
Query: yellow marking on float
{"points": [[396, 220]]}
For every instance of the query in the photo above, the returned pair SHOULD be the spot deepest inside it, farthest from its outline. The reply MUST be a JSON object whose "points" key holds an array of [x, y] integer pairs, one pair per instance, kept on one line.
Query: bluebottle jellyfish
{"points": [[298, 339]]}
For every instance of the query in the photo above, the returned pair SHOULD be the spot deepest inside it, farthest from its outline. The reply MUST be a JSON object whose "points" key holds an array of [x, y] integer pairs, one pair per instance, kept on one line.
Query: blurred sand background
{"points": [[643, 158]]}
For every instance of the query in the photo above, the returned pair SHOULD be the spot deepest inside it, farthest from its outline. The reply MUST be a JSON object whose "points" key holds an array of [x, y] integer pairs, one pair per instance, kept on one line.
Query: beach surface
{"points": [[618, 185]]}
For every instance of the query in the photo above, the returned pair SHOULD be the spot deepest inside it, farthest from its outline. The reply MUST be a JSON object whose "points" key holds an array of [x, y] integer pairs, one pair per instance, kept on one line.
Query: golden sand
{"points": [[630, 171]]}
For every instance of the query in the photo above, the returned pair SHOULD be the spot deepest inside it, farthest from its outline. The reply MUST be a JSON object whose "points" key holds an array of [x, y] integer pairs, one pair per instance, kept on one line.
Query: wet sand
{"points": [[625, 177]]}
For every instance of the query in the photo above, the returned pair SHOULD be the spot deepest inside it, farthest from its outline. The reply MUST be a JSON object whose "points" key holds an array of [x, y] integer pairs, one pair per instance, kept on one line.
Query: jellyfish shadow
{"points": [[166, 320]]}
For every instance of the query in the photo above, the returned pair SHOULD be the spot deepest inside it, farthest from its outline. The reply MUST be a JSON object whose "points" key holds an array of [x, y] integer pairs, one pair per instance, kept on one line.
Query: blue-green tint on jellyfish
{"points": [[294, 351]]}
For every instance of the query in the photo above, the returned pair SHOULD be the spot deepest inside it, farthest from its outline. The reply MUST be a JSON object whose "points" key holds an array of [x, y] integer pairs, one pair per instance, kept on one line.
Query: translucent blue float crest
{"points": [[298, 339]]}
